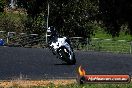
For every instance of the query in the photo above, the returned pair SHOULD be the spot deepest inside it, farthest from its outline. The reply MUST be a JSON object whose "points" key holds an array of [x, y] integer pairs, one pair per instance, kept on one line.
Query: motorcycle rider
{"points": [[54, 35], [60, 46], [53, 38]]}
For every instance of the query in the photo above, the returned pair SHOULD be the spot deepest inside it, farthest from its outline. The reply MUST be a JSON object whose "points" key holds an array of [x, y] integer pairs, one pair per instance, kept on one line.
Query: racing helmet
{"points": [[51, 29]]}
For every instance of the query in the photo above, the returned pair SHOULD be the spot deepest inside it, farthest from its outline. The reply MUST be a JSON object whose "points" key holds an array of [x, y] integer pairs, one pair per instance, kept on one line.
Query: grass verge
{"points": [[56, 84]]}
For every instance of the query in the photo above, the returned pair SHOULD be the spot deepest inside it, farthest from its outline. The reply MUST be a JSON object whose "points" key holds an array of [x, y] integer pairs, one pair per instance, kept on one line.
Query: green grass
{"points": [[75, 85], [124, 37], [102, 41], [103, 35], [117, 46], [97, 86]]}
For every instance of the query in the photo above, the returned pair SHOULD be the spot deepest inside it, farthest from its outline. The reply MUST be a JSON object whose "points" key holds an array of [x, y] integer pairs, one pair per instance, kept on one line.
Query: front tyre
{"points": [[64, 55], [73, 61]]}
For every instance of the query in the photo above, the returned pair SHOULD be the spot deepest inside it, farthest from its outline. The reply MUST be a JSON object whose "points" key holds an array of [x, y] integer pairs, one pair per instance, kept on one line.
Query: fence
{"points": [[107, 45], [78, 43], [23, 39]]}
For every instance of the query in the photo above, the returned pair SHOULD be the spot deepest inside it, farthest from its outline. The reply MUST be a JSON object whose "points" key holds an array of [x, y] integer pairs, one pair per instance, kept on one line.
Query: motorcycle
{"points": [[61, 47]]}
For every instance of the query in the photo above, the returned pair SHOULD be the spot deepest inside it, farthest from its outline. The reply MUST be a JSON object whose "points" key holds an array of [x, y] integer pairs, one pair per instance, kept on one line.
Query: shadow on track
{"points": [[62, 64]]}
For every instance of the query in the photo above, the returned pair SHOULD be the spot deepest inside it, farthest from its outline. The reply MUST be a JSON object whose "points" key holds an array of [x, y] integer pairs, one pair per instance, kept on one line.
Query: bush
{"points": [[12, 22], [35, 25], [2, 4]]}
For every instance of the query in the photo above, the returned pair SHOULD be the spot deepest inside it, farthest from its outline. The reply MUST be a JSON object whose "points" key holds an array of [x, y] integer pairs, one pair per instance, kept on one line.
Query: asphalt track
{"points": [[33, 63]]}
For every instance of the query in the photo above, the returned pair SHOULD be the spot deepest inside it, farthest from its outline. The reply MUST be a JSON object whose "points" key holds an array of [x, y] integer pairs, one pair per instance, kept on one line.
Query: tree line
{"points": [[77, 17]]}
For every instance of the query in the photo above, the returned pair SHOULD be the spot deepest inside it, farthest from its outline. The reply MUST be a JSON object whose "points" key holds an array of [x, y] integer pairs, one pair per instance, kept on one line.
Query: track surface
{"points": [[36, 63]]}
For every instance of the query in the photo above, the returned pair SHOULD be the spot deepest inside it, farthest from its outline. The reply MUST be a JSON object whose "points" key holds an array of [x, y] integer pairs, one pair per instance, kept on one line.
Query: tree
{"points": [[70, 17], [2, 4], [115, 13], [73, 17]]}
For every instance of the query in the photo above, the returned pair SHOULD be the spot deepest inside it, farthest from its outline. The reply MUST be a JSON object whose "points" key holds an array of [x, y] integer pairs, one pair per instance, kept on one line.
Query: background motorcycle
{"points": [[61, 47]]}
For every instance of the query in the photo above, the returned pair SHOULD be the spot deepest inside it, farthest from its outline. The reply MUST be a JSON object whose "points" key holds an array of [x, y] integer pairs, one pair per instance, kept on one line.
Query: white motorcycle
{"points": [[60, 46]]}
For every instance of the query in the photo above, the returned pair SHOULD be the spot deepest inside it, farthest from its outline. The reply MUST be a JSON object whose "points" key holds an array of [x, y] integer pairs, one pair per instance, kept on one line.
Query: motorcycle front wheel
{"points": [[65, 56]]}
